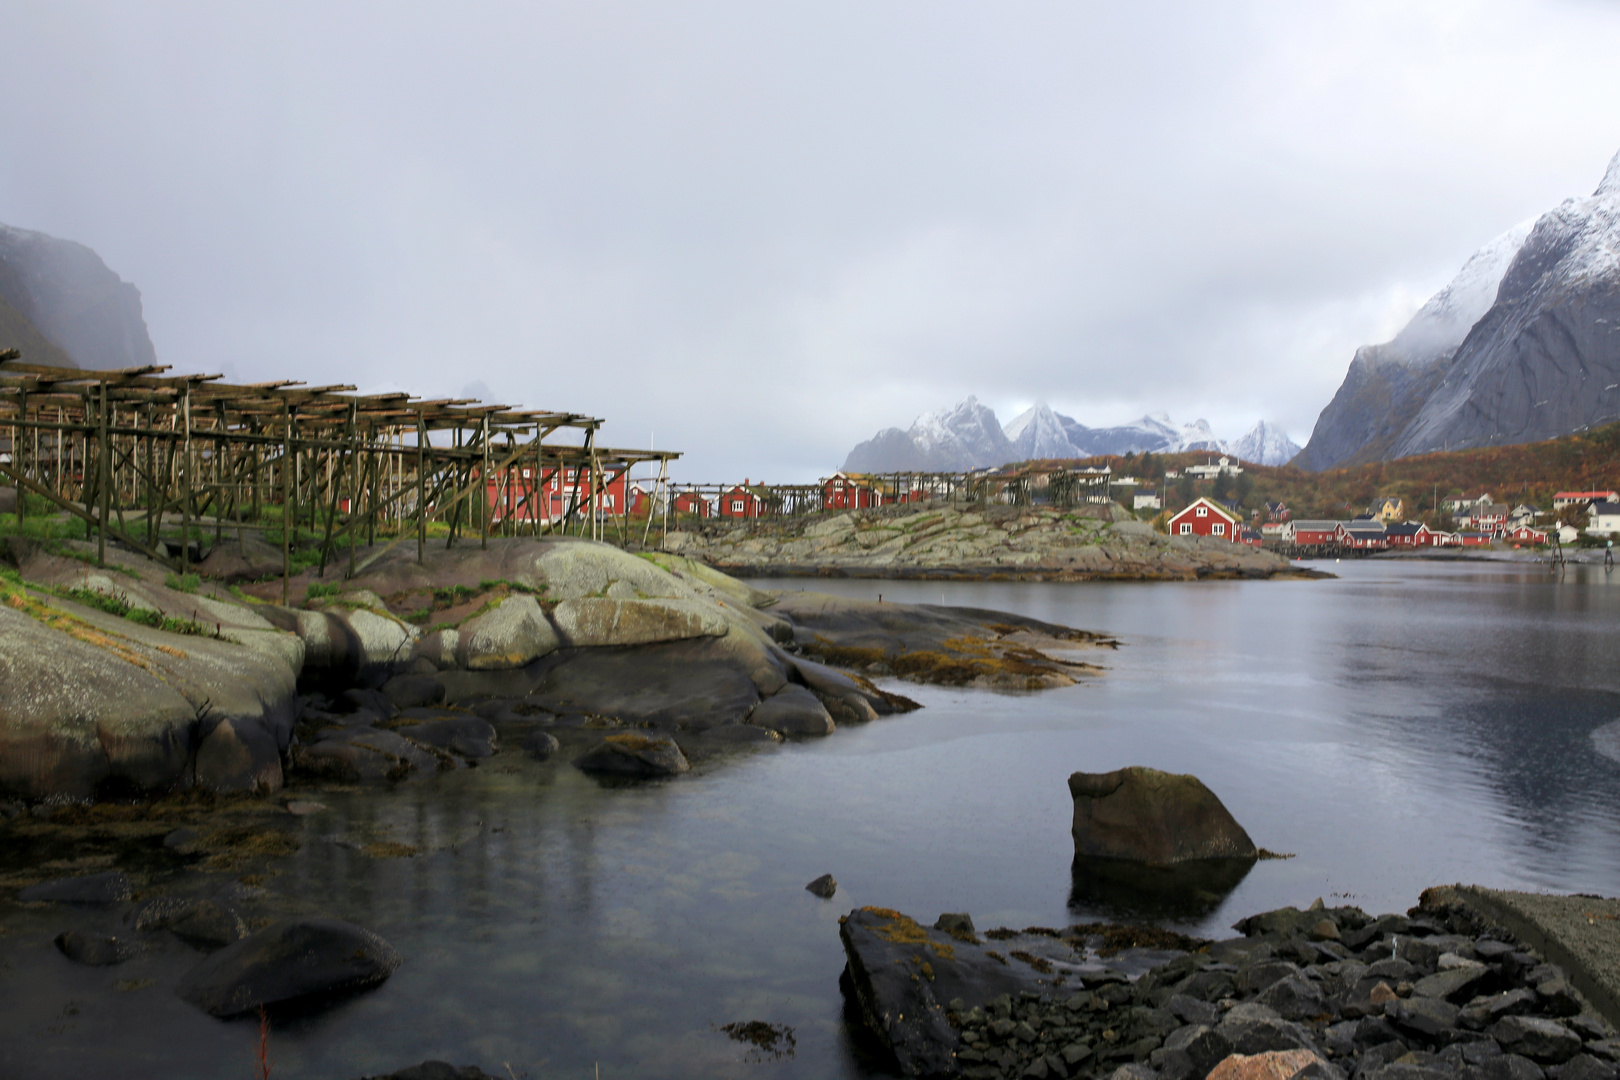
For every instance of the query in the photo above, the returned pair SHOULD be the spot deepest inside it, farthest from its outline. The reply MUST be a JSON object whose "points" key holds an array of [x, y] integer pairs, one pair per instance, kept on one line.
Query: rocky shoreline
{"points": [[928, 541], [1445, 991]]}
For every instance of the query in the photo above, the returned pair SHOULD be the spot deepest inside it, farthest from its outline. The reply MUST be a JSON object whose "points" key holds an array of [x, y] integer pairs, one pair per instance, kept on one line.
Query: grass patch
{"points": [[316, 591], [186, 583]]}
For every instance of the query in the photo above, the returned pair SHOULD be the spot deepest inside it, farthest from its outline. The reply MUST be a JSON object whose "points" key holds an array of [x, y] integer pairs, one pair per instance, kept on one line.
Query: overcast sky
{"points": [[758, 232]]}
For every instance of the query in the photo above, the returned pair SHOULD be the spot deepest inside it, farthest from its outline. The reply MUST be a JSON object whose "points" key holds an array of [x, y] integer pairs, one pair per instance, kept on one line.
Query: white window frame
{"points": [[1218, 529], [737, 506], [1203, 511], [1186, 528]]}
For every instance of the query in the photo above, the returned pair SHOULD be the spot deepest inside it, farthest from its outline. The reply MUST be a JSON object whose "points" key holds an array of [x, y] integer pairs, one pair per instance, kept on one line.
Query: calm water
{"points": [[1406, 725]]}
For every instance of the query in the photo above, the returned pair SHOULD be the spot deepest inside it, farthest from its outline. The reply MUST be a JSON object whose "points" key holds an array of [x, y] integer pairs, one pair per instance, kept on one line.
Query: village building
{"points": [[1206, 517], [1462, 504], [1251, 537], [846, 491], [690, 502], [1278, 511], [1408, 534], [1582, 499], [1318, 533], [1147, 500], [740, 501], [1208, 471], [1603, 519], [1366, 534], [1387, 509]]}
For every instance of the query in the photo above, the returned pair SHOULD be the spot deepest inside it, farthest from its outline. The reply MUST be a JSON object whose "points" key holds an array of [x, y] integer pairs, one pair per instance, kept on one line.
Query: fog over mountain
{"points": [[969, 437], [1523, 345], [61, 305]]}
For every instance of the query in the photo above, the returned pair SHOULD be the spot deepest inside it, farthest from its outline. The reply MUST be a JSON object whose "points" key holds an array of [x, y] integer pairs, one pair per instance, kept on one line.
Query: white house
{"points": [[1147, 500], [1212, 469], [1604, 519]]}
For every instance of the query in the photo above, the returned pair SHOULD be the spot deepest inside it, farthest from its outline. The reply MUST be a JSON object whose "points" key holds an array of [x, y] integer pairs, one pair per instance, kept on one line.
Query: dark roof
{"points": [[1405, 528]]}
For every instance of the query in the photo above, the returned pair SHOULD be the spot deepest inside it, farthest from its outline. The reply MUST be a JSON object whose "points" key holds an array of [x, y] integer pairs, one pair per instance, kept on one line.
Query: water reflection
{"points": [[1114, 890]]}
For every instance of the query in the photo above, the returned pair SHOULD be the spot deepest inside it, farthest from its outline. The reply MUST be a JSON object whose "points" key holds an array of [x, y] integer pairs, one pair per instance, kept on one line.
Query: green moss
{"points": [[316, 591], [186, 583]]}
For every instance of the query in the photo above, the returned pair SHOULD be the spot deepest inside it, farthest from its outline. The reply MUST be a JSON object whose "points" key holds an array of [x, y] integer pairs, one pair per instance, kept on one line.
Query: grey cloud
{"points": [[764, 231]]}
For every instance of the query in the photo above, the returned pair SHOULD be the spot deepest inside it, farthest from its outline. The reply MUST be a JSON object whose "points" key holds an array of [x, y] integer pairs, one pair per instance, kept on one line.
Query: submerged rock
{"points": [[631, 754], [98, 950], [540, 745], [793, 710], [364, 753], [110, 887], [288, 961], [1147, 816], [824, 886], [469, 736]]}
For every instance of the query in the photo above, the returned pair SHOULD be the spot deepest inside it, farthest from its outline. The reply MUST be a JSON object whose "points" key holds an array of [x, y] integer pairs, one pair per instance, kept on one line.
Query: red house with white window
{"points": [[1319, 533], [840, 491], [740, 502], [512, 493], [1524, 534], [1206, 517], [690, 502]]}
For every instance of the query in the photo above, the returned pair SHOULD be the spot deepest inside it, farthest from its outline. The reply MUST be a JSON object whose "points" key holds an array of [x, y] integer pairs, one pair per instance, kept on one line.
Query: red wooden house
{"points": [[512, 495], [1206, 517], [690, 502], [1319, 533], [841, 491], [741, 502], [1524, 534]]}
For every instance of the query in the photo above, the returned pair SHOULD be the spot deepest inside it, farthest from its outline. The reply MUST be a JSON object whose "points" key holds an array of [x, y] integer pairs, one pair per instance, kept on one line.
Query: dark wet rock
{"points": [[1484, 1011], [1294, 998], [1204, 1046], [1587, 1067], [209, 924], [239, 755], [957, 924], [364, 754], [435, 1070], [110, 887], [99, 950], [513, 711], [741, 735], [1558, 998], [410, 691], [1457, 985], [1253, 978], [1191, 1010], [792, 710], [1536, 1038], [1511, 1067], [1251, 1028], [181, 837], [540, 745], [633, 754], [824, 886], [359, 697], [1428, 1017], [288, 961], [1144, 815], [469, 736]]}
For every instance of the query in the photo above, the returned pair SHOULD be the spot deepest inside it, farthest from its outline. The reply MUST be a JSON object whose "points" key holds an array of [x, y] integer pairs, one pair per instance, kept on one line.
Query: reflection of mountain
{"points": [[1115, 889], [970, 437]]}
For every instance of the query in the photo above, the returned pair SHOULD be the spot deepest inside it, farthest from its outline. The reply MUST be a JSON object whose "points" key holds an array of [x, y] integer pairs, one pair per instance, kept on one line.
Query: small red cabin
{"points": [[1206, 517], [740, 502], [690, 502], [840, 491]]}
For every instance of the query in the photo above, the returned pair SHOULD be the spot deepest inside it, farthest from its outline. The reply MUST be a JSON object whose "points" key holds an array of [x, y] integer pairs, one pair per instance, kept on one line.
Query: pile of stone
{"points": [[1326, 992]]}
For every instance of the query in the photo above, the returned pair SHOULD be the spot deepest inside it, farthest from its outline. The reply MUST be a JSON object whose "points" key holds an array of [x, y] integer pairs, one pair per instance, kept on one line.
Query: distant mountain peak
{"points": [[1611, 178]]}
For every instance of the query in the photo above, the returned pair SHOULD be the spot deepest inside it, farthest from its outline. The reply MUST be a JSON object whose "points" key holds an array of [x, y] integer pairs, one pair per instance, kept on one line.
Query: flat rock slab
{"points": [[96, 950], [688, 684], [110, 887], [288, 961], [469, 736]]}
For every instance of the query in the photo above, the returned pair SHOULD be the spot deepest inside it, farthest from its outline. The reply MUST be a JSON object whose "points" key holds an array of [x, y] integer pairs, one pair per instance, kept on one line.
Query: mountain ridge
{"points": [[61, 304]]}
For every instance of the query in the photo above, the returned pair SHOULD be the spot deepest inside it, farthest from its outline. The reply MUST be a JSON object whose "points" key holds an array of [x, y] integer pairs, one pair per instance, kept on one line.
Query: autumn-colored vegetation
{"points": [[1529, 473]]}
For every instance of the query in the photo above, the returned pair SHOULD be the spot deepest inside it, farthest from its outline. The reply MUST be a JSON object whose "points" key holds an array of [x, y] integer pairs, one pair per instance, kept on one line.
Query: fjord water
{"points": [[1405, 725]]}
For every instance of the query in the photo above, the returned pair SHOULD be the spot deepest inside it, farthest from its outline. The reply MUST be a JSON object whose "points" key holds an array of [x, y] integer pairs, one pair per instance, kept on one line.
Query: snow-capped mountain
{"points": [[969, 437], [1523, 345], [1265, 444], [951, 440]]}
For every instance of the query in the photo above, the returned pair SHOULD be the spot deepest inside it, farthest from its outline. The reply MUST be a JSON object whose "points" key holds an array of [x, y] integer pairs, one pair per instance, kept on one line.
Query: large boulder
{"points": [[510, 635], [688, 685], [287, 961], [460, 733], [364, 753], [239, 755], [632, 754], [595, 621], [1158, 818], [793, 710]]}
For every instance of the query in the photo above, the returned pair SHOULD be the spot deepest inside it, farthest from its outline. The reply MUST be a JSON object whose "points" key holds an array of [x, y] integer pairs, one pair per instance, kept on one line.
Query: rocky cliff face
{"points": [[60, 304], [1521, 347]]}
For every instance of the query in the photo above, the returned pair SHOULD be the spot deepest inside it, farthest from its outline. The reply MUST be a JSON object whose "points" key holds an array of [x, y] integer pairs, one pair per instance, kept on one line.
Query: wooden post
{"points": [[19, 446], [103, 479], [483, 494], [421, 487], [185, 480], [286, 502]]}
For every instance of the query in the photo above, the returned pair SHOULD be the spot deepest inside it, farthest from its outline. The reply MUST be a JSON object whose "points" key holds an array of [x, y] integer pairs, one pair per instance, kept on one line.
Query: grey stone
{"points": [[1255, 1029], [287, 961], [823, 886], [793, 710], [741, 735], [1536, 1038], [239, 755], [1425, 1016], [109, 887], [208, 924], [469, 736], [632, 754], [1484, 1011], [1589, 1026], [540, 745], [1294, 998], [955, 923], [513, 634], [1558, 998], [1455, 985], [360, 697], [1134, 1071], [1587, 1067], [1148, 816], [1511, 1067], [98, 950], [1253, 978], [410, 691], [364, 754], [1191, 1010], [592, 621], [1204, 1046]]}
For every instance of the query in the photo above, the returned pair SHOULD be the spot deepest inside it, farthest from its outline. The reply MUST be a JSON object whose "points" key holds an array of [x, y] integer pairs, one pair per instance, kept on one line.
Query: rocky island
{"points": [[1092, 542]]}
